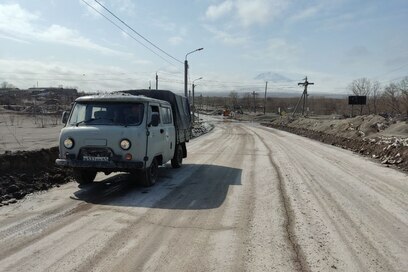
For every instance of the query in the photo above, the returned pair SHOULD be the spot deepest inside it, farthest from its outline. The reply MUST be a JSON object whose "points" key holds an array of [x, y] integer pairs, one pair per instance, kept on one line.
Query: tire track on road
{"points": [[300, 258], [339, 212]]}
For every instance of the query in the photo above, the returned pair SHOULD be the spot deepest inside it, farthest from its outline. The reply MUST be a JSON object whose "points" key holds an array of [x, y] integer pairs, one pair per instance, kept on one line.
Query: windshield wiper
{"points": [[85, 121], [93, 119]]}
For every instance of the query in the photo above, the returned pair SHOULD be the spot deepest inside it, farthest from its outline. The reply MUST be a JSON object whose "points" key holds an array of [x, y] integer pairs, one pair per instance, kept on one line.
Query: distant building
{"points": [[16, 96], [51, 91]]}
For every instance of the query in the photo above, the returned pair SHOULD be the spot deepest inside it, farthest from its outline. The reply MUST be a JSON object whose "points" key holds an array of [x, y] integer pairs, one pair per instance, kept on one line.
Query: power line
{"points": [[78, 74], [115, 24], [393, 70], [140, 35]]}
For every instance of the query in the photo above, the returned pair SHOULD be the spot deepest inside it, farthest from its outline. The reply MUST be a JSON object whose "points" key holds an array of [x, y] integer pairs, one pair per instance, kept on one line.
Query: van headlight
{"points": [[125, 144], [69, 143]]}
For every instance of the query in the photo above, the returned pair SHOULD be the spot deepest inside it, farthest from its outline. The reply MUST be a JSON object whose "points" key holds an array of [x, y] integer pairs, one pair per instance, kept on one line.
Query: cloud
{"points": [[15, 19], [66, 36], [13, 39], [216, 11], [226, 37], [277, 50], [176, 40], [90, 8], [248, 12], [20, 25], [281, 51], [305, 14], [123, 6], [259, 11], [26, 73], [357, 52], [127, 6]]}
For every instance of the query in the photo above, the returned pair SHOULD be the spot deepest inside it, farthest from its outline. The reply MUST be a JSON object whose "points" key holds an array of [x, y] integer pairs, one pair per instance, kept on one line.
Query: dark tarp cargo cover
{"points": [[180, 107]]}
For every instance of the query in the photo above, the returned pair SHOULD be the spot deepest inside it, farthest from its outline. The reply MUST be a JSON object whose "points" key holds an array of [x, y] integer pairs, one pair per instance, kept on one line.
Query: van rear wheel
{"points": [[177, 160], [84, 176], [149, 176]]}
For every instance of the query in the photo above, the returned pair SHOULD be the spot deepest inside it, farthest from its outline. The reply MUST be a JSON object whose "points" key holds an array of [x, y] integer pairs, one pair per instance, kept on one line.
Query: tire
{"points": [[149, 176], [177, 160], [84, 176]]}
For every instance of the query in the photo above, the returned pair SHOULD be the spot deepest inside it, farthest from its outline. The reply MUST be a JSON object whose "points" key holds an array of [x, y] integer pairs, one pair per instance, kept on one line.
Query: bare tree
{"points": [[6, 85], [365, 87], [403, 88], [376, 93], [233, 95], [361, 86], [391, 97]]}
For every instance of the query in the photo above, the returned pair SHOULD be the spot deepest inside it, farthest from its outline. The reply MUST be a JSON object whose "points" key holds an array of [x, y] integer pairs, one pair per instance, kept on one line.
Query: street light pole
{"points": [[186, 70], [157, 81], [192, 87]]}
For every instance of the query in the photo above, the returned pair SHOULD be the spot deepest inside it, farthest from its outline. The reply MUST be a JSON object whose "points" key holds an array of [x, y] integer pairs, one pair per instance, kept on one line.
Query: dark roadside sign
{"points": [[357, 100]]}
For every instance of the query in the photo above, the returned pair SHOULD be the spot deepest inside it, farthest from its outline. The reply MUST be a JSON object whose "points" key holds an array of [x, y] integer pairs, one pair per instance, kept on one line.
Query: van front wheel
{"points": [[149, 176], [84, 176], [177, 160]]}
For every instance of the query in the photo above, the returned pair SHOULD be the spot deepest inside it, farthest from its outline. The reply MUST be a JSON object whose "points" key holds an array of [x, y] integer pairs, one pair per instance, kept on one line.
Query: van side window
{"points": [[166, 115], [155, 109]]}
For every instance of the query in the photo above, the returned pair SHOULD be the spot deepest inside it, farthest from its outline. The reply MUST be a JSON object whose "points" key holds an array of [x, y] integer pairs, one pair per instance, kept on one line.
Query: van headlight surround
{"points": [[69, 143], [125, 144]]}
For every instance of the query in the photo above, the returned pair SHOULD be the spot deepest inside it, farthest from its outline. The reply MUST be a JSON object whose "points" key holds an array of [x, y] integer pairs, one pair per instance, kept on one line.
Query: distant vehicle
{"points": [[131, 131]]}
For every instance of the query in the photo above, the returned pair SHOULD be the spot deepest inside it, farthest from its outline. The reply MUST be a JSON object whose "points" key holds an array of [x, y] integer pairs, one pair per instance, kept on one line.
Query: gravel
{"points": [[362, 135]]}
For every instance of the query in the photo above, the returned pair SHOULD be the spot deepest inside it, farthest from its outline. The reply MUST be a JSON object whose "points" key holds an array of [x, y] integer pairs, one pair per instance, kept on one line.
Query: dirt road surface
{"points": [[248, 198]]}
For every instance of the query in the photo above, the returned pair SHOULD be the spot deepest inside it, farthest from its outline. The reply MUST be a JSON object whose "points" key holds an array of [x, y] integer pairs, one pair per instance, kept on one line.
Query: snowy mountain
{"points": [[272, 77]]}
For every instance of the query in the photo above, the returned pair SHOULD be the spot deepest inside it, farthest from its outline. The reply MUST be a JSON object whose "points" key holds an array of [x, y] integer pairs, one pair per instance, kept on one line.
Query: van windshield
{"points": [[92, 113]]}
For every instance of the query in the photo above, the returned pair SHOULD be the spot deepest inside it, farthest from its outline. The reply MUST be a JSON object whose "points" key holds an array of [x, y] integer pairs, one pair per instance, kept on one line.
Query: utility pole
{"points": [[304, 96], [266, 88], [254, 94], [157, 81]]}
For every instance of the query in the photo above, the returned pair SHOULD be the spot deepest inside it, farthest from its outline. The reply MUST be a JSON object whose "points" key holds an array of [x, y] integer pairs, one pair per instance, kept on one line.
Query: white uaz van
{"points": [[122, 132]]}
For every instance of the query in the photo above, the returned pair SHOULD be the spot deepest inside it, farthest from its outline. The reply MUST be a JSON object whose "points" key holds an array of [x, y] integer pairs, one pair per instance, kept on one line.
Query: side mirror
{"points": [[155, 119], [64, 117]]}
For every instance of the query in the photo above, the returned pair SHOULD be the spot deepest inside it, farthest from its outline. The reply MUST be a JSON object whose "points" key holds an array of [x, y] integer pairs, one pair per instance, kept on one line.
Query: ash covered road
{"points": [[248, 198]]}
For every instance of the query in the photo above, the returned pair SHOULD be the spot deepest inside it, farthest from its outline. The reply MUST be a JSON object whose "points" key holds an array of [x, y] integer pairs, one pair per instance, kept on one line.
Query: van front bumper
{"points": [[103, 165]]}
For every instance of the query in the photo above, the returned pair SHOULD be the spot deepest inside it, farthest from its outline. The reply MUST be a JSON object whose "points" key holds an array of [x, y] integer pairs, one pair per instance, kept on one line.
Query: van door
{"points": [[169, 133], [156, 135]]}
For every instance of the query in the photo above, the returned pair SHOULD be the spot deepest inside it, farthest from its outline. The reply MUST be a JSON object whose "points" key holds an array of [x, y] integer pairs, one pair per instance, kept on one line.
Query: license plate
{"points": [[99, 159]]}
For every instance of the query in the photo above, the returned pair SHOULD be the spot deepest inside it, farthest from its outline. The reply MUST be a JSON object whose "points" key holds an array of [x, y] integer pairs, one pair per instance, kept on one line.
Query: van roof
{"points": [[119, 98]]}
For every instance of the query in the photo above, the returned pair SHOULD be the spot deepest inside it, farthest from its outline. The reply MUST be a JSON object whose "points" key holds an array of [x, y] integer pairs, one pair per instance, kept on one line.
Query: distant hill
{"points": [[272, 77]]}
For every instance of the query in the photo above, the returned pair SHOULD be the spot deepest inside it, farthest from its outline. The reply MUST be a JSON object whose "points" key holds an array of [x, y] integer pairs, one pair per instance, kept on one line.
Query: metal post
{"points": [[193, 94], [193, 107], [254, 94], [185, 76], [266, 87], [157, 82]]}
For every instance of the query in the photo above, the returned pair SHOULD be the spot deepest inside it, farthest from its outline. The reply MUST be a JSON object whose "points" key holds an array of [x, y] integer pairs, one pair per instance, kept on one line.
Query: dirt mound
{"points": [[201, 128], [357, 127], [25, 172], [352, 134]]}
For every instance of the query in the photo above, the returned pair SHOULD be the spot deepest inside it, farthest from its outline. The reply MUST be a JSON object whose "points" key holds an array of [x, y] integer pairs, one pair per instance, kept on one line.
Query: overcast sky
{"points": [[65, 42]]}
